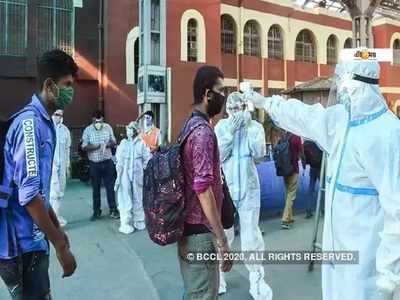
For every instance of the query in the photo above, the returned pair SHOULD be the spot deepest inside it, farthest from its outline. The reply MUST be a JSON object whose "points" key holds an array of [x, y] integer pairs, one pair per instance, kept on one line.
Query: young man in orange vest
{"points": [[151, 135]]}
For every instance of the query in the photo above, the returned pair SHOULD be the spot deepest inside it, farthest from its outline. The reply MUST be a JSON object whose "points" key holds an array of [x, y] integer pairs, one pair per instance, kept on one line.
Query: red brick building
{"points": [[272, 43]]}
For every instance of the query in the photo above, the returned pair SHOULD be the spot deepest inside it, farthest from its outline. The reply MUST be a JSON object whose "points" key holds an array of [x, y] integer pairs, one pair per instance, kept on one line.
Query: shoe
{"points": [[139, 225], [222, 290], [261, 291], [286, 226], [309, 214], [222, 285], [114, 214], [126, 229], [95, 217]]}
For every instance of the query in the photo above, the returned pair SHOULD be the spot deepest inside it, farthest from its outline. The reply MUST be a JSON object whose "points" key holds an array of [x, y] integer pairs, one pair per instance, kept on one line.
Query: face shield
{"points": [[340, 89], [236, 104], [350, 78]]}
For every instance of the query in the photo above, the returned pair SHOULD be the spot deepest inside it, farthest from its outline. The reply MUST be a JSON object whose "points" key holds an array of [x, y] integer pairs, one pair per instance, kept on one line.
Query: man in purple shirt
{"points": [[203, 232], [27, 222]]}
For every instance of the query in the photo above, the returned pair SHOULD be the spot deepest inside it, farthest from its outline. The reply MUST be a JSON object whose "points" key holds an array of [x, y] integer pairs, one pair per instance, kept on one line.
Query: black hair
{"points": [[55, 64], [206, 78], [98, 114], [149, 113]]}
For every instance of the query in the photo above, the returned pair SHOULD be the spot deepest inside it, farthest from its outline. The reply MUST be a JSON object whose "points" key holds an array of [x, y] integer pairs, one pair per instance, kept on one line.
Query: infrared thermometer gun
{"points": [[245, 87]]}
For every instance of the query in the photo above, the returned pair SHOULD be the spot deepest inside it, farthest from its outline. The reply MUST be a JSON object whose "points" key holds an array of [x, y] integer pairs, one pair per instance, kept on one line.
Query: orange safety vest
{"points": [[150, 139]]}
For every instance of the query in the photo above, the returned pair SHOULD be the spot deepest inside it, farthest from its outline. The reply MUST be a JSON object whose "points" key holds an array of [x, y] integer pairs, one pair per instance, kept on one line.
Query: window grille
{"points": [[332, 50], [275, 43], [13, 27], [251, 39], [228, 37], [55, 25], [305, 47], [396, 52], [192, 40]]}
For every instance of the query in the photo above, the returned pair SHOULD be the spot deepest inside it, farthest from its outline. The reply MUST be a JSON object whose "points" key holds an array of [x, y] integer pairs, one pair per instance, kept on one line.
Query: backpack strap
{"points": [[182, 138]]}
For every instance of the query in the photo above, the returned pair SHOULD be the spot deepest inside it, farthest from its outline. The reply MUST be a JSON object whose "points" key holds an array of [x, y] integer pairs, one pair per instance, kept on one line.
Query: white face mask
{"points": [[131, 133], [98, 125], [57, 120]]}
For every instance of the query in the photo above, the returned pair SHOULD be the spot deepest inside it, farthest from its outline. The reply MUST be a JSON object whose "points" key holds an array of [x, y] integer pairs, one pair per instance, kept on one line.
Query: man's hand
{"points": [[223, 249], [65, 257], [116, 185], [236, 121], [111, 144], [92, 147], [257, 99]]}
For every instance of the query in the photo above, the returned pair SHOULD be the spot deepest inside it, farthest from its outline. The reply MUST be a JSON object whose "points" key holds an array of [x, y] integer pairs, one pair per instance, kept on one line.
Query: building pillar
{"points": [[361, 12]]}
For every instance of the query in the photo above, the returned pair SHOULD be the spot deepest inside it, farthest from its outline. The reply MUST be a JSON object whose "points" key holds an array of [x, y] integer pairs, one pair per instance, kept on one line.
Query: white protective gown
{"points": [[362, 207], [61, 164], [238, 155], [132, 158]]}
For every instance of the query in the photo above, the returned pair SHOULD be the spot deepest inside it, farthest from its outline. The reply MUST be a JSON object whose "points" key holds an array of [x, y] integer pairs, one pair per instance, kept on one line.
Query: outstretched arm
{"points": [[309, 121]]}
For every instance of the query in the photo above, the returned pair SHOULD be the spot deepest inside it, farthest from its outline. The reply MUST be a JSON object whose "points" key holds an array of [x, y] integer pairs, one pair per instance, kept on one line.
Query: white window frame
{"points": [[201, 35], [132, 37]]}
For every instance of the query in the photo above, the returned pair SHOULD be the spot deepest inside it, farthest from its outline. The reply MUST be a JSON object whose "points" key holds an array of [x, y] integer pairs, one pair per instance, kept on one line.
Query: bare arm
{"points": [[91, 147], [208, 204], [48, 224]]}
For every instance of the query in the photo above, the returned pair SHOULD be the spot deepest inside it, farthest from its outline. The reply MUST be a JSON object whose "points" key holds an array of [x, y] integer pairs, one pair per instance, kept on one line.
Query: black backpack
{"points": [[164, 198], [313, 155], [283, 157]]}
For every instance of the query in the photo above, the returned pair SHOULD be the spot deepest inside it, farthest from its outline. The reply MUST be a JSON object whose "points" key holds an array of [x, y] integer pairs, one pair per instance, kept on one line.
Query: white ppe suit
{"points": [[132, 157], [362, 208], [61, 165], [241, 142]]}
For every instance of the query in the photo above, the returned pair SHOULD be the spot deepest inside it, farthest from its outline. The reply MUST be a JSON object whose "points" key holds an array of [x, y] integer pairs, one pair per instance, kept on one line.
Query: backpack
{"points": [[313, 155], [164, 198], [283, 157]]}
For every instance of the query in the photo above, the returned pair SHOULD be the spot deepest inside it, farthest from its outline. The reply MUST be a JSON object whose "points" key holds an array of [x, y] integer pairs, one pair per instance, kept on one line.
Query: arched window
{"points": [[396, 52], [55, 25], [275, 43], [192, 40], [251, 39], [348, 44], [331, 50], [132, 56], [13, 27], [228, 35], [305, 47], [136, 60]]}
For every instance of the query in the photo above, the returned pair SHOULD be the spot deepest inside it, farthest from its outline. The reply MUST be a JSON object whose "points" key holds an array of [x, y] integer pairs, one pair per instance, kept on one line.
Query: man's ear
{"points": [[206, 95], [48, 86]]}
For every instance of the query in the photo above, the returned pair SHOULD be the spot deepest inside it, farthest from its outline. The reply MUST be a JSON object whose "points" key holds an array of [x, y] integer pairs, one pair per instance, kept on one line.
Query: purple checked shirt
{"points": [[202, 168]]}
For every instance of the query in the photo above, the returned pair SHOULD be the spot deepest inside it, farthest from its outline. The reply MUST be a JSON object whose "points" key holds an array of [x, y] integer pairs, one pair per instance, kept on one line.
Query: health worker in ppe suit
{"points": [[61, 164], [362, 208], [132, 157], [242, 142]]}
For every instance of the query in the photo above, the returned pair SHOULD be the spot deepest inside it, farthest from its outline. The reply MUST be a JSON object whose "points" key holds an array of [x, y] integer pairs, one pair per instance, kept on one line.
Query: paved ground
{"points": [[117, 267]]}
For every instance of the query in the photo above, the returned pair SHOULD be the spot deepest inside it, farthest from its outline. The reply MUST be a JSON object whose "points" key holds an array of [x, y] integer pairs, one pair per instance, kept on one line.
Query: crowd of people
{"points": [[362, 205]]}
